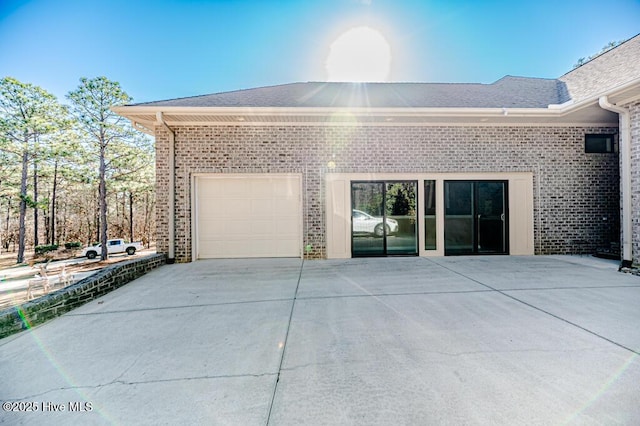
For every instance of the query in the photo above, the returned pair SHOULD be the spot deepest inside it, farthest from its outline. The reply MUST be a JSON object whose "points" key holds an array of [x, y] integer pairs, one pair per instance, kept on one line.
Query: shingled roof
{"points": [[572, 99], [508, 92]]}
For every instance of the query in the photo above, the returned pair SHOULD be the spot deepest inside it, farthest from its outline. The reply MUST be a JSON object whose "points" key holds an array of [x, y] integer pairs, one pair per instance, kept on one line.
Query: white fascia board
{"points": [[552, 112], [326, 111]]}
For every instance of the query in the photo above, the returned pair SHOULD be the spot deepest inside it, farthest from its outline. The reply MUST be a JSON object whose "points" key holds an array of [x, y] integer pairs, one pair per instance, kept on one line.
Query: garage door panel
{"points": [[235, 207], [258, 248], [263, 188], [211, 228], [262, 248], [235, 188], [286, 227], [223, 208], [230, 228], [285, 207], [263, 227], [249, 216], [262, 208], [237, 229], [215, 210], [284, 189], [211, 189], [287, 245], [232, 249], [227, 249], [211, 248]]}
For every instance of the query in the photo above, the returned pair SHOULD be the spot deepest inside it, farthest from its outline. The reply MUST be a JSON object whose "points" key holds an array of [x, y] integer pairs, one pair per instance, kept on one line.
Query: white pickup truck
{"points": [[113, 246]]}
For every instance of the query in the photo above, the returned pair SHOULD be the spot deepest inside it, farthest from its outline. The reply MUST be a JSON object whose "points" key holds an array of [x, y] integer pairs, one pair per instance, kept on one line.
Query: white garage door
{"points": [[248, 216]]}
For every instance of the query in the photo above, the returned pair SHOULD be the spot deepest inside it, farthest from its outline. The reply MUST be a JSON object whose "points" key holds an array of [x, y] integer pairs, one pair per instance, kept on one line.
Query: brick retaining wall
{"points": [[58, 302]]}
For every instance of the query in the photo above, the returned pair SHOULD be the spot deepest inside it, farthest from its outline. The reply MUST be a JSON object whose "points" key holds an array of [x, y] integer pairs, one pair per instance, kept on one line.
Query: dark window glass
{"points": [[600, 144], [430, 214]]}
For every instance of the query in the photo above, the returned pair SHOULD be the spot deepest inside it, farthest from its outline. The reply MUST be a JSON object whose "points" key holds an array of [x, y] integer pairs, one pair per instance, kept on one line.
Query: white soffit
{"points": [[584, 113]]}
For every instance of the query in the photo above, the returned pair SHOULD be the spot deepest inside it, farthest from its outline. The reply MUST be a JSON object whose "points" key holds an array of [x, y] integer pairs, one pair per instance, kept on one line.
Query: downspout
{"points": [[625, 178], [171, 258]]}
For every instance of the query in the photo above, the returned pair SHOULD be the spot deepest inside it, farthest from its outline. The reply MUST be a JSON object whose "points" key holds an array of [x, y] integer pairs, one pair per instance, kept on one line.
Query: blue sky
{"points": [[165, 49]]}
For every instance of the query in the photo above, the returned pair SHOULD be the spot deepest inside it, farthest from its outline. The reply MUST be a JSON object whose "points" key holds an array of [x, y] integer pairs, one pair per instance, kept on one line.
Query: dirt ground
{"points": [[11, 272]]}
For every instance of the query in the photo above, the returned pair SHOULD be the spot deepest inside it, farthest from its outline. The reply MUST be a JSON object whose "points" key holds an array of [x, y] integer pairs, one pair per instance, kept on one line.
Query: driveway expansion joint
{"points": [[504, 293], [284, 343], [117, 381], [162, 308], [409, 293]]}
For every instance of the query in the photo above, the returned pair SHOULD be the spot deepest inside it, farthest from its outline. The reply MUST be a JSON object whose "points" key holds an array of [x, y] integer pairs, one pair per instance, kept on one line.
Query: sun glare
{"points": [[360, 54]]}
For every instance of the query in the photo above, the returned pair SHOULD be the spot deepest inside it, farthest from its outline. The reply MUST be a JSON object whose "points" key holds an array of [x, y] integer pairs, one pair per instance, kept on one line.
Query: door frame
{"points": [[338, 208], [198, 179], [475, 224], [385, 246]]}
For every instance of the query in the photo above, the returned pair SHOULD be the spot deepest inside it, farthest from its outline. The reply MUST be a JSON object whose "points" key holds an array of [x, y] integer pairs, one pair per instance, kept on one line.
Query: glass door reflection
{"points": [[384, 218], [401, 214], [367, 219]]}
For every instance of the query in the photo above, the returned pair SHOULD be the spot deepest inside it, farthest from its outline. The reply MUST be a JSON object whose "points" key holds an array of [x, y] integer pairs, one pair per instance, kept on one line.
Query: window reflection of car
{"points": [[364, 223]]}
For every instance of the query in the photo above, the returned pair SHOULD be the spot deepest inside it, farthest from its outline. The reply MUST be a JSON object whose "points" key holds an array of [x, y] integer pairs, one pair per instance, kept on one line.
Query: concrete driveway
{"points": [[457, 340]]}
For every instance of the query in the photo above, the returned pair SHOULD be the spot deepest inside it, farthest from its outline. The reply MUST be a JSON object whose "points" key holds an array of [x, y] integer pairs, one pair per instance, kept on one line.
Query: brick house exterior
{"points": [[634, 111], [529, 133]]}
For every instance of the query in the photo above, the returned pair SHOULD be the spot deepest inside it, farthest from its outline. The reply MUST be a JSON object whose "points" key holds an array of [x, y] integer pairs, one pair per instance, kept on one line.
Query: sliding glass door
{"points": [[384, 218], [476, 217]]}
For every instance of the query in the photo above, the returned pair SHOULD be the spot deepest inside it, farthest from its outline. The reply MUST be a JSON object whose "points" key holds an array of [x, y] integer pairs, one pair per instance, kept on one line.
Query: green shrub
{"points": [[46, 248], [74, 245]]}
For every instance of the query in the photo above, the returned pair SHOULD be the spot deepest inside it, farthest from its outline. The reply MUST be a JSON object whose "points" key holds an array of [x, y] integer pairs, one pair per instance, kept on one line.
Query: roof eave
{"points": [[124, 110], [583, 113]]}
